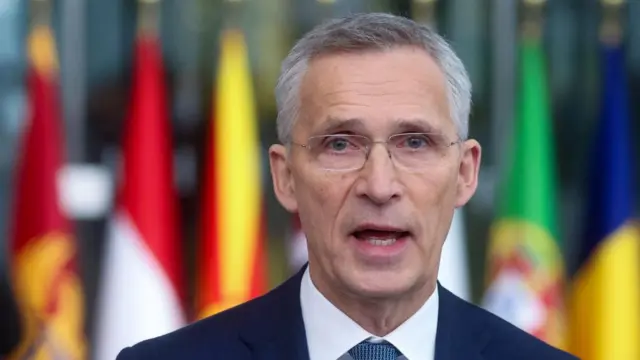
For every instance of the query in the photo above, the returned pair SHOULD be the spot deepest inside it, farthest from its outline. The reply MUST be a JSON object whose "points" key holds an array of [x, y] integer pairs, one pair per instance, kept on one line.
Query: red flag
{"points": [[43, 246], [142, 289]]}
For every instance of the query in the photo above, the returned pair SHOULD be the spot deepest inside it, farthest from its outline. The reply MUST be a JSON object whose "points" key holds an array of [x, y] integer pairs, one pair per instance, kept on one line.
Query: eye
{"points": [[415, 141], [337, 144], [340, 144]]}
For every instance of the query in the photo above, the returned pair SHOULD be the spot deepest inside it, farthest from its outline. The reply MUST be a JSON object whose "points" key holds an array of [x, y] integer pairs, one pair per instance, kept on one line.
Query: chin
{"points": [[386, 283]]}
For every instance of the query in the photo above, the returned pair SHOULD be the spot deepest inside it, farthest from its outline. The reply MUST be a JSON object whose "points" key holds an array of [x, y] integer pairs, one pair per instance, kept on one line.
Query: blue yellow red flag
{"points": [[605, 301]]}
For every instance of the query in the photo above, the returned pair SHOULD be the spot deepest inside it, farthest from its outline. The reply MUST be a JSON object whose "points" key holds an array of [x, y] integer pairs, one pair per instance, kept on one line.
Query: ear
{"points": [[468, 171], [283, 183]]}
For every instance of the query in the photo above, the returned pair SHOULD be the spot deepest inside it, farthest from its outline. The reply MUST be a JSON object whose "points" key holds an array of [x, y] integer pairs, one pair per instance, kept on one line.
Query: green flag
{"points": [[525, 264]]}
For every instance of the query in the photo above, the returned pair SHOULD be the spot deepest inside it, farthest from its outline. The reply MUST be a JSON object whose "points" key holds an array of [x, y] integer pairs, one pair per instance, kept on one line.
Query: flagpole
{"points": [[39, 12], [325, 9], [505, 39], [611, 26], [533, 18], [148, 17], [233, 10], [424, 12]]}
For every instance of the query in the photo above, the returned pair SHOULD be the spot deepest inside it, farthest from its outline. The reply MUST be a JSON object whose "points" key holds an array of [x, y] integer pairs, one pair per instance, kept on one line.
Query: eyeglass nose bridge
{"points": [[369, 147]]}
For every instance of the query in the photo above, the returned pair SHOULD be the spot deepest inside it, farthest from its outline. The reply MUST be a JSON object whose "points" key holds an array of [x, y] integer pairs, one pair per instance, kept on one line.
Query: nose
{"points": [[378, 180]]}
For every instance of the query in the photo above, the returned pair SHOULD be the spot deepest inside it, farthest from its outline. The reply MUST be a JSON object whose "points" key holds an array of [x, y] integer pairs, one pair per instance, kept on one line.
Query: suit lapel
{"points": [[459, 336], [276, 331]]}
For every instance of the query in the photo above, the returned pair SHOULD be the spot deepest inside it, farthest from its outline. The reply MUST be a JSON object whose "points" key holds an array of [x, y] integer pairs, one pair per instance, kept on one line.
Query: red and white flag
{"points": [[140, 294]]}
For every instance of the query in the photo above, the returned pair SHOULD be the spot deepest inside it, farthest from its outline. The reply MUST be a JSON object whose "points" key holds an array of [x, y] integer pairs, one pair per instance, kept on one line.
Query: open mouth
{"points": [[380, 237]]}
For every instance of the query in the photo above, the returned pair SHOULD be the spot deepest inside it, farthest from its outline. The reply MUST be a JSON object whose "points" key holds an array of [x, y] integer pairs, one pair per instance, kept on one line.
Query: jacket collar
{"points": [[275, 329], [460, 335]]}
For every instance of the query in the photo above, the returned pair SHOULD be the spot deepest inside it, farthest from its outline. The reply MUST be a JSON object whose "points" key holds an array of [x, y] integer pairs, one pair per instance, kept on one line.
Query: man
{"points": [[373, 121]]}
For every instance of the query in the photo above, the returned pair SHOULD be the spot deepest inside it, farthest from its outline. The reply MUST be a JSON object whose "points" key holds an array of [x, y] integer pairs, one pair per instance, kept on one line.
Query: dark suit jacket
{"points": [[271, 328]]}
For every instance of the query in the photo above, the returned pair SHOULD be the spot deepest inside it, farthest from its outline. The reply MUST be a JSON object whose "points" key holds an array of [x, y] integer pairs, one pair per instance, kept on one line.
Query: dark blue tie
{"points": [[374, 351]]}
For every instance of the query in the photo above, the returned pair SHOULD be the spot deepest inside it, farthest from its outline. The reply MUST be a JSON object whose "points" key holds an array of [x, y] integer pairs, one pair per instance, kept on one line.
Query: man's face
{"points": [[376, 231]]}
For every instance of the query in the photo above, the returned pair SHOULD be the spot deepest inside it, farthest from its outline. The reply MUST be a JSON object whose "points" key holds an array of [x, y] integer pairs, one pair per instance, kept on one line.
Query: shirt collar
{"points": [[416, 337], [331, 333]]}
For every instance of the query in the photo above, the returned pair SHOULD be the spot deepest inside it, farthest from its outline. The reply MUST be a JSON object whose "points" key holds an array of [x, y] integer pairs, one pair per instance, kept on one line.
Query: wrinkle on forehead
{"points": [[403, 83], [359, 126]]}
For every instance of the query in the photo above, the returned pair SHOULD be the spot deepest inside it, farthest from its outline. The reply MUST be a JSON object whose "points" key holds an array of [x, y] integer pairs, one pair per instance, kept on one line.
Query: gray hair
{"points": [[371, 31]]}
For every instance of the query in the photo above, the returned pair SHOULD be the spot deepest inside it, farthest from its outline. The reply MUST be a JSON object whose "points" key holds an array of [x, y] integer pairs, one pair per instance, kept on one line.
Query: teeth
{"points": [[379, 242]]}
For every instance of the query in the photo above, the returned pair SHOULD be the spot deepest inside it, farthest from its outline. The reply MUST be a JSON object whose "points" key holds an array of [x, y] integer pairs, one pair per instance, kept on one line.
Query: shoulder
{"points": [[510, 342], [503, 339], [219, 334], [225, 334]]}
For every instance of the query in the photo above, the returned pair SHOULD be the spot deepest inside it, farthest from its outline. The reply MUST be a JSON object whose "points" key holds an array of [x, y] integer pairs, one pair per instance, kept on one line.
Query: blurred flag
{"points": [[605, 299], [43, 248], [454, 268], [232, 265], [296, 246], [141, 291], [525, 262]]}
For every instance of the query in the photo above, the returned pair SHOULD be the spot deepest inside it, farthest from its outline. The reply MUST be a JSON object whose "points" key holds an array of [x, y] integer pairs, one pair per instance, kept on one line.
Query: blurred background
{"points": [[157, 82]]}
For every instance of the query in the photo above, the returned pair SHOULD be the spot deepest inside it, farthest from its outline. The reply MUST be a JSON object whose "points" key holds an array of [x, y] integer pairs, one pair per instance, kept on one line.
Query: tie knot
{"points": [[374, 351]]}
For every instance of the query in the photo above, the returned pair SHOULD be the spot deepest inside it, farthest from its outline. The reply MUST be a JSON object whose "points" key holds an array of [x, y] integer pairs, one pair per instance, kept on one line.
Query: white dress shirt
{"points": [[331, 333]]}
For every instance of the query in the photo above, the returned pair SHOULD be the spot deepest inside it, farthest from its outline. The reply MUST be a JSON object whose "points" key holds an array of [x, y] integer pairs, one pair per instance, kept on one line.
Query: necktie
{"points": [[374, 351]]}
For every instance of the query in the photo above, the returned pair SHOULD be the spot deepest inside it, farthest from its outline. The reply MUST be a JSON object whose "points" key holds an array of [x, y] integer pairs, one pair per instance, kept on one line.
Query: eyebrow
{"points": [[357, 125], [333, 125], [415, 125]]}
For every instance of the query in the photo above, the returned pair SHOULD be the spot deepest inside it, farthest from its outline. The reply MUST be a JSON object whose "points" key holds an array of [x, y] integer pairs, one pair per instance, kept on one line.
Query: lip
{"points": [[377, 254], [378, 227]]}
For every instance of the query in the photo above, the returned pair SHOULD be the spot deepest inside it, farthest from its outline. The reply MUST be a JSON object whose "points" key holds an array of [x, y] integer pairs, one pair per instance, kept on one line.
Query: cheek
{"points": [[320, 201], [321, 189], [433, 197], [434, 188], [316, 191], [320, 198]]}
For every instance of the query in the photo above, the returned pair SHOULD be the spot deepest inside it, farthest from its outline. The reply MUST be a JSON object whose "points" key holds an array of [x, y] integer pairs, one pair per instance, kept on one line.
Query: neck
{"points": [[378, 316]]}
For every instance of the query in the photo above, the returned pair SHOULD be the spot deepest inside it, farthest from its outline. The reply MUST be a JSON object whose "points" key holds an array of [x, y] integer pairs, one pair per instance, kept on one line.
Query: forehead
{"points": [[383, 89]]}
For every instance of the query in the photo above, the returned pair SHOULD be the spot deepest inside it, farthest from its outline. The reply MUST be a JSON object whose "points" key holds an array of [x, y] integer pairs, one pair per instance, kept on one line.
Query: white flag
{"points": [[137, 299], [454, 271], [297, 254]]}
